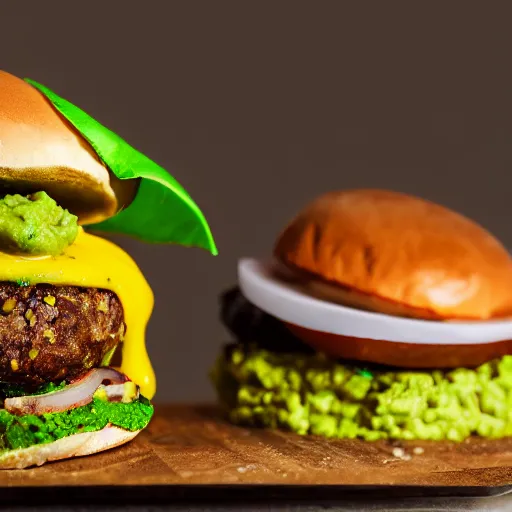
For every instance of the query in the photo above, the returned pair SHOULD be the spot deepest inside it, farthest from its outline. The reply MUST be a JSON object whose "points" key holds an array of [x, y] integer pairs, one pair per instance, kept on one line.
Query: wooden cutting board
{"points": [[193, 445]]}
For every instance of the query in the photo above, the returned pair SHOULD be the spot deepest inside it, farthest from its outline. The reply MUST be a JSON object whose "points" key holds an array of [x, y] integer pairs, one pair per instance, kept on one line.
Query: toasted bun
{"points": [[402, 355], [76, 445], [40, 150], [397, 254]]}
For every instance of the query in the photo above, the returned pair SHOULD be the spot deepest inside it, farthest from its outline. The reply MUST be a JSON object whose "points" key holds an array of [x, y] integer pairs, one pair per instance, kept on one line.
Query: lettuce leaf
{"points": [[162, 211]]}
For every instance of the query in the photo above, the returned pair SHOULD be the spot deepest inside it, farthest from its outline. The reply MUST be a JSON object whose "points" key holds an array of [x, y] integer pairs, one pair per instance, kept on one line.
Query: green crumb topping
{"points": [[24, 431], [311, 394], [35, 225]]}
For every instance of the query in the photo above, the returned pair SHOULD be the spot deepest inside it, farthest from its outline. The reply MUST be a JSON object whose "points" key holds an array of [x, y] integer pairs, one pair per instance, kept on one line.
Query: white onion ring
{"points": [[76, 394]]}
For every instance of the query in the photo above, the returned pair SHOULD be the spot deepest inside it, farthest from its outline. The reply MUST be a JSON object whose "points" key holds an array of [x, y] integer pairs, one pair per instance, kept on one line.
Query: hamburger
{"points": [[380, 316], [75, 375]]}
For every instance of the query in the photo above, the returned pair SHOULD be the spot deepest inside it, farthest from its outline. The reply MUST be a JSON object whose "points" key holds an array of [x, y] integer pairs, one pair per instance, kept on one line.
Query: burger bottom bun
{"points": [[76, 445], [403, 355]]}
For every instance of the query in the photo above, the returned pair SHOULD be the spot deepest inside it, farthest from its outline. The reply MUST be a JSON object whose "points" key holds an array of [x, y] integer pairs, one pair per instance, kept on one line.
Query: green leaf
{"points": [[162, 211]]}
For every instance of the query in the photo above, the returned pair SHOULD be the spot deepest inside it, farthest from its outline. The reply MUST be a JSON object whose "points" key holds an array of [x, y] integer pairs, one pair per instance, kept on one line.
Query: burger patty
{"points": [[51, 333]]}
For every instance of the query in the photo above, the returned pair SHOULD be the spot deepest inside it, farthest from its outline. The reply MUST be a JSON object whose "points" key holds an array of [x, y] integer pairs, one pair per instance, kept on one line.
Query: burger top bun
{"points": [[397, 254], [40, 150]]}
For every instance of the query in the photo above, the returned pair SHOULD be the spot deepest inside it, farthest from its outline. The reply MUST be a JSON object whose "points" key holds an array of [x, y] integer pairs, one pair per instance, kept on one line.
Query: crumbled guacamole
{"points": [[25, 431], [311, 394], [35, 225]]}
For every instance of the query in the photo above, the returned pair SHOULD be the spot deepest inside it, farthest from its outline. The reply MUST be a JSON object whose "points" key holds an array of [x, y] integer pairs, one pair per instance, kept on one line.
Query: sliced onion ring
{"points": [[78, 393]]}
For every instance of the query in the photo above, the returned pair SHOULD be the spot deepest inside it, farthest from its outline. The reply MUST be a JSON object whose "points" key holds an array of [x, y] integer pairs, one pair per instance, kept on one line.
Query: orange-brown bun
{"points": [[398, 254], [40, 150], [403, 355]]}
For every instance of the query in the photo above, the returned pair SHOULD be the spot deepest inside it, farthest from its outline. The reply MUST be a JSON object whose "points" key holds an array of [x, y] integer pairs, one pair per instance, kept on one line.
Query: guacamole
{"points": [[311, 394], [35, 225], [24, 431]]}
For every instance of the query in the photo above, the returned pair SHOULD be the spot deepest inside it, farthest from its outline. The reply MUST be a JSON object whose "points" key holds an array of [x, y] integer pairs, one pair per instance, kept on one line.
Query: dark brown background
{"points": [[256, 107]]}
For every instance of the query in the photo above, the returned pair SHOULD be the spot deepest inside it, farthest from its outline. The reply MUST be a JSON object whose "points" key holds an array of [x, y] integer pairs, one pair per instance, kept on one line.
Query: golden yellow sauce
{"points": [[93, 262]]}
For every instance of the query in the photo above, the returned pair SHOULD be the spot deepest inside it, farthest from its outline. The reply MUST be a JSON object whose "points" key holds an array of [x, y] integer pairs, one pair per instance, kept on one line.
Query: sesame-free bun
{"points": [[398, 254], [402, 355], [76, 445], [40, 150]]}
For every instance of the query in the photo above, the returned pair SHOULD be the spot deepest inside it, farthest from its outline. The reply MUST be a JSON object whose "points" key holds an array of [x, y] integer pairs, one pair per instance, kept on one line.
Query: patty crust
{"points": [[51, 333]]}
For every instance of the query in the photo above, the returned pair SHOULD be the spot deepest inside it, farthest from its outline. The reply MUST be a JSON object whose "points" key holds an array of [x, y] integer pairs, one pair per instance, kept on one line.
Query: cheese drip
{"points": [[93, 262]]}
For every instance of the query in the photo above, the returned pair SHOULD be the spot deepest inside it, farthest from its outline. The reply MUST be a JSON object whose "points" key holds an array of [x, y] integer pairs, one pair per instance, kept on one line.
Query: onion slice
{"points": [[76, 394]]}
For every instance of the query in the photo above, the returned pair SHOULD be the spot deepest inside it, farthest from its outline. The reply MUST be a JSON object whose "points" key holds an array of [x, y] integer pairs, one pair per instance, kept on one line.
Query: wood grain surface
{"points": [[193, 445]]}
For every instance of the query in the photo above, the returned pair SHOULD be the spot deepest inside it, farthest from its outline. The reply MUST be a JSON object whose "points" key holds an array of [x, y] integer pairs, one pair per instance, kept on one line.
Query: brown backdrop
{"points": [[256, 107]]}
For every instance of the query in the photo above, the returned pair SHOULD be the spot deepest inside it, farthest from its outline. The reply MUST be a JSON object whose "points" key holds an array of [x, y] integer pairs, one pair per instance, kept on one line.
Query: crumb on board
{"points": [[400, 453], [244, 469]]}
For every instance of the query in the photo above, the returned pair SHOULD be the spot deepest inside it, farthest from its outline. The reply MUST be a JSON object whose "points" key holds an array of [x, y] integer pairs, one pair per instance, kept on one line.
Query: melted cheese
{"points": [[93, 262]]}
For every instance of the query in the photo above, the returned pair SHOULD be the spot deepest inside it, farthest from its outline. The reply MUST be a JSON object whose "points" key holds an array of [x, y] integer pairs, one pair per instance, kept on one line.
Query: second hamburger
{"points": [[366, 324]]}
